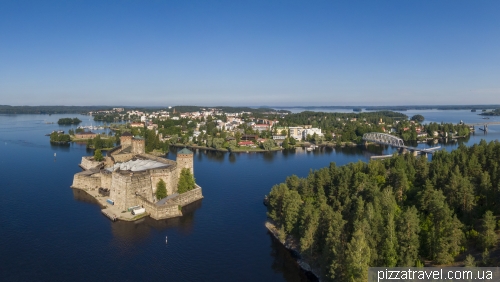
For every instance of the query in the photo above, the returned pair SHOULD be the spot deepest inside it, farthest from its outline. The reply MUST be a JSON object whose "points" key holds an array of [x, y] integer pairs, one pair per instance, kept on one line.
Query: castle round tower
{"points": [[126, 139], [184, 160], [138, 145]]}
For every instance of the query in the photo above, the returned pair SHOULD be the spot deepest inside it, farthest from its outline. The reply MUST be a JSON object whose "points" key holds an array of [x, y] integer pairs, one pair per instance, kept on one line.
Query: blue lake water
{"points": [[53, 233]]}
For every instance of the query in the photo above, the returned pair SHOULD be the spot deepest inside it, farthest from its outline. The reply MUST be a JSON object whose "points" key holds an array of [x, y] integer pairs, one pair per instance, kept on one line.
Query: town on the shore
{"points": [[246, 129]]}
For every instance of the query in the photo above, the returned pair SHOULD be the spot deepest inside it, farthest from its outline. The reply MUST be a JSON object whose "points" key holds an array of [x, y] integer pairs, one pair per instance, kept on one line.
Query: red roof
{"points": [[245, 143]]}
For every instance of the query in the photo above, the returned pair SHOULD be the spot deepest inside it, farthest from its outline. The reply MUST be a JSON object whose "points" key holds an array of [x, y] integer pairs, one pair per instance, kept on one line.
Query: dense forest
{"points": [[403, 211]]}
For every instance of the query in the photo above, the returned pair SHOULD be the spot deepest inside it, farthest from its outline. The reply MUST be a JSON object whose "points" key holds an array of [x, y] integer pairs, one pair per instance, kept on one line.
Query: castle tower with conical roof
{"points": [[184, 160]]}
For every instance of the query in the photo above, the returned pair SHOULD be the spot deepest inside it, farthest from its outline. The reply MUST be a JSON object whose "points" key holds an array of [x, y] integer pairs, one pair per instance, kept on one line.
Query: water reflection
{"points": [[139, 230], [60, 147], [284, 263], [269, 156], [232, 157], [83, 196]]}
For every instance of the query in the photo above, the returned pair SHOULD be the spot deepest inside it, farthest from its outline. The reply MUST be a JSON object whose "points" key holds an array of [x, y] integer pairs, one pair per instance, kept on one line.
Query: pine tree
{"points": [[161, 189], [309, 220], [488, 236], [469, 261], [98, 155], [408, 227], [291, 208], [357, 256]]}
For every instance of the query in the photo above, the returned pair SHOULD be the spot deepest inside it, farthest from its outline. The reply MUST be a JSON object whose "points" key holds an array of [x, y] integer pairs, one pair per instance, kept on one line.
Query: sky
{"points": [[249, 53]]}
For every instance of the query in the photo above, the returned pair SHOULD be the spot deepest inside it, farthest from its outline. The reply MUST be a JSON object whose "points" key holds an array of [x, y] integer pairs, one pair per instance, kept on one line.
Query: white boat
{"points": [[166, 239]]}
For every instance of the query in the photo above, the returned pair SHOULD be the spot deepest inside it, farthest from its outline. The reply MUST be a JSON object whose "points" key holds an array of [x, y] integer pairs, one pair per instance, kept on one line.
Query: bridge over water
{"points": [[391, 140], [484, 123]]}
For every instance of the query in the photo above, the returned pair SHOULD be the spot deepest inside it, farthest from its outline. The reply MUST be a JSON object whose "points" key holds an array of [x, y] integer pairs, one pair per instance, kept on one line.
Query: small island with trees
{"points": [[59, 138], [495, 112], [69, 121]]}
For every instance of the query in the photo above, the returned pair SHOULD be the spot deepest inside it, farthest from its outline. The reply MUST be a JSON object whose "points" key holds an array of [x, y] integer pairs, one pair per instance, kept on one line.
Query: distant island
{"points": [[67, 121], [492, 113]]}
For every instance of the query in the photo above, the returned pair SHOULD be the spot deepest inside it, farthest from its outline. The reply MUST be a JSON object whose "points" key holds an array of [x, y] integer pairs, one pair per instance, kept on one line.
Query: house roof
{"points": [[185, 151], [126, 133], [86, 133]]}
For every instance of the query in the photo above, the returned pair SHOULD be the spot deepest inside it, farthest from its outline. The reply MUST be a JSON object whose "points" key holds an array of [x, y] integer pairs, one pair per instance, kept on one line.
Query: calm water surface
{"points": [[52, 233]]}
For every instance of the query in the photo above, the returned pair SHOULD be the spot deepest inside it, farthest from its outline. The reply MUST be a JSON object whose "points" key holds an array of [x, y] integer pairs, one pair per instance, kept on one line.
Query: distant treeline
{"points": [[6, 109], [402, 108], [226, 109], [430, 107]]}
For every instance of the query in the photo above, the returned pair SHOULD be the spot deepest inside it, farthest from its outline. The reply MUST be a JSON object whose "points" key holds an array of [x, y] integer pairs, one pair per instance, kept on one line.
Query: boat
{"points": [[166, 239]]}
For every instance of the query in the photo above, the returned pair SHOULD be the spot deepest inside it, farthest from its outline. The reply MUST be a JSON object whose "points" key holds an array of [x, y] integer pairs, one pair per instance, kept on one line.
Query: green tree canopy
{"points": [[161, 189], [98, 155], [418, 118], [186, 181]]}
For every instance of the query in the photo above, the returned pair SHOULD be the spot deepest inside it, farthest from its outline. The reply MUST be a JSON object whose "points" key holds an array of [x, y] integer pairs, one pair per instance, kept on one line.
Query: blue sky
{"points": [[281, 53]]}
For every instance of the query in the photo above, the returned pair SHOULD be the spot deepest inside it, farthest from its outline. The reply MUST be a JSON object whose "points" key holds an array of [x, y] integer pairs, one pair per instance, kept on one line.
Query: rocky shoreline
{"points": [[290, 244]]}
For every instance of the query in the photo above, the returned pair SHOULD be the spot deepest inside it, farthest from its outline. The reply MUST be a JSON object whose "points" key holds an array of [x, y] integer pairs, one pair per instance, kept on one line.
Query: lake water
{"points": [[50, 232]]}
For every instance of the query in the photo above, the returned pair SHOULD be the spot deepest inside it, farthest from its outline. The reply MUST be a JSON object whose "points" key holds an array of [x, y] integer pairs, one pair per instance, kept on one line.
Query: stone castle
{"points": [[131, 176]]}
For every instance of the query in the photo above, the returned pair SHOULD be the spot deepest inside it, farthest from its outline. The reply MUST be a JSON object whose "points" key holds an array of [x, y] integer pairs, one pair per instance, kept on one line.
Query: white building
{"points": [[311, 132]]}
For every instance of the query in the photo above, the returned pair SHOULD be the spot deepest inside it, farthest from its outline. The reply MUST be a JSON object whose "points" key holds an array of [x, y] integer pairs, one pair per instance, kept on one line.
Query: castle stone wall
{"points": [[159, 212], [86, 182], [119, 186], [126, 141], [121, 158], [106, 180], [88, 163], [138, 146], [188, 197]]}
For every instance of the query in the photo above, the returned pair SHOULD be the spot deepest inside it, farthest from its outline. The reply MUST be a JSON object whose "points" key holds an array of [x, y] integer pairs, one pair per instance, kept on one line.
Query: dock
{"points": [[109, 214]]}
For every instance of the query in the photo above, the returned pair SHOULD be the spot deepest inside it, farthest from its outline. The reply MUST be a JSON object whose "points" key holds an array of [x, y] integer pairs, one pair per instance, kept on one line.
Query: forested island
{"points": [[403, 211], [492, 113], [59, 138], [68, 121]]}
